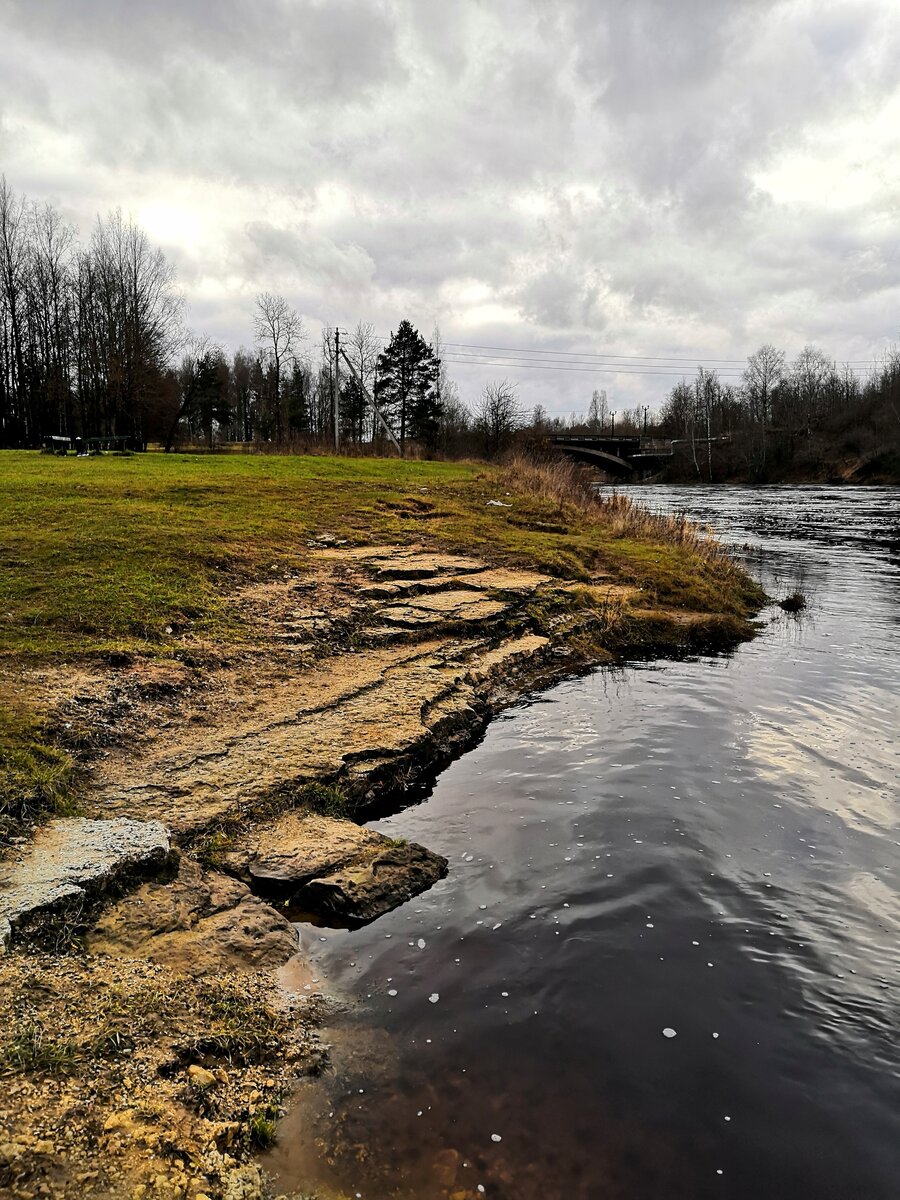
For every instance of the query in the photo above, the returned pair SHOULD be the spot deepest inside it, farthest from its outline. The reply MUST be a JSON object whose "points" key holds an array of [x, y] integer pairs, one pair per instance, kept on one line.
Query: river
{"points": [[665, 960]]}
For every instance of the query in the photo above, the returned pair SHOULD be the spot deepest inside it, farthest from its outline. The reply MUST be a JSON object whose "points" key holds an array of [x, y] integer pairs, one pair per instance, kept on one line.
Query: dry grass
{"points": [[569, 484]]}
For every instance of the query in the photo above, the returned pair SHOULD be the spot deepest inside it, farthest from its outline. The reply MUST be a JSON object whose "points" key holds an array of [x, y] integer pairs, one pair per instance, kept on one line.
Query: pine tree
{"points": [[406, 390]]}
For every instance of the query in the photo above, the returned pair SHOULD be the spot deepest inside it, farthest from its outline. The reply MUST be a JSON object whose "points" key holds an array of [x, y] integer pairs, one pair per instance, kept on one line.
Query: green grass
{"points": [[37, 778], [31, 1050], [141, 555], [111, 554]]}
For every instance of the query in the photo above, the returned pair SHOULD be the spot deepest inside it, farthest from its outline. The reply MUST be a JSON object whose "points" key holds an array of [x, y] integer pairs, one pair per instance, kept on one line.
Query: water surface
{"points": [[708, 847]]}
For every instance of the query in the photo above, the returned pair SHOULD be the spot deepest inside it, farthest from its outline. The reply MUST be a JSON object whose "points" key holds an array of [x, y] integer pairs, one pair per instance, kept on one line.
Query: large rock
{"points": [[442, 608], [201, 921], [334, 868], [374, 883], [73, 860], [301, 846]]}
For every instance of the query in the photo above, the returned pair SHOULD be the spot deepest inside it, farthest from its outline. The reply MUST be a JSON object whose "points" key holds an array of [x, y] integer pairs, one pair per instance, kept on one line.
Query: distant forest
{"points": [[93, 343]]}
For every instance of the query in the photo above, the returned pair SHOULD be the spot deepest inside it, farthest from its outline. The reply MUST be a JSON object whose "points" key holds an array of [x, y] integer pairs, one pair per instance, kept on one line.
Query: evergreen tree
{"points": [[406, 390]]}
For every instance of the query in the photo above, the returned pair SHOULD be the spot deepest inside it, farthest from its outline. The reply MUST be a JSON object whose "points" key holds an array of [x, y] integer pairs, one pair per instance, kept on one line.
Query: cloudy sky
{"points": [[662, 179]]}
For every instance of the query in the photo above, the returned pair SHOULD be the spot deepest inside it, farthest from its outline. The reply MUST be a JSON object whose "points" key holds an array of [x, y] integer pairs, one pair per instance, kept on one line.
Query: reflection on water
{"points": [[708, 847]]}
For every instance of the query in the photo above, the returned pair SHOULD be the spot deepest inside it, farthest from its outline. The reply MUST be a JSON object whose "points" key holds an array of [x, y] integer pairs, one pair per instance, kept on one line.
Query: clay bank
{"points": [[194, 797]]}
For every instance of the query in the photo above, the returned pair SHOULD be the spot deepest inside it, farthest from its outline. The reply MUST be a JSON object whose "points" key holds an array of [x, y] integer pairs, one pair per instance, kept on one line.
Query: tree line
{"points": [[93, 344], [799, 416], [87, 333]]}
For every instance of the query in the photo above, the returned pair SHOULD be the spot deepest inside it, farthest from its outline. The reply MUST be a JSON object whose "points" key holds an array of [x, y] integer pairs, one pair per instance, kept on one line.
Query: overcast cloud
{"points": [[647, 177]]}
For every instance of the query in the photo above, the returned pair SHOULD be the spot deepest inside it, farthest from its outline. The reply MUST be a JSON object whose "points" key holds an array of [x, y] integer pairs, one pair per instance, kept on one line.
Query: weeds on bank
{"points": [[793, 603], [37, 778], [568, 484], [326, 799], [264, 1126], [49, 1032], [677, 562], [31, 1050]]}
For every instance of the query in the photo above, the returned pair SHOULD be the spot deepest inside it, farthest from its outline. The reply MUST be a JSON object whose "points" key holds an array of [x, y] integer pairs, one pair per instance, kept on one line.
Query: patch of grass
{"points": [[33, 1050], [212, 848], [118, 555], [397, 843], [264, 1126], [793, 603], [37, 778], [324, 799], [235, 1027]]}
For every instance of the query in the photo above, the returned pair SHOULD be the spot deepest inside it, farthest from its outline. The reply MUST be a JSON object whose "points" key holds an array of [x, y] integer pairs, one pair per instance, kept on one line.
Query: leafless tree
{"points": [[598, 412], [810, 374], [14, 258], [362, 348], [498, 417], [764, 372], [279, 332]]}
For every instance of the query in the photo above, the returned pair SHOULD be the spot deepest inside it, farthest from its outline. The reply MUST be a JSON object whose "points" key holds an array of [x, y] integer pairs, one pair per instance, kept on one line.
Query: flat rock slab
{"points": [[203, 922], [334, 868], [443, 607], [301, 846], [73, 859], [499, 579], [374, 884]]}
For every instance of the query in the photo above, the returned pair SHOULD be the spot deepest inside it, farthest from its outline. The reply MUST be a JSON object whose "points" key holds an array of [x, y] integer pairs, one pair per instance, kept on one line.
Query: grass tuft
{"points": [[38, 779], [793, 603], [264, 1126], [32, 1050]]}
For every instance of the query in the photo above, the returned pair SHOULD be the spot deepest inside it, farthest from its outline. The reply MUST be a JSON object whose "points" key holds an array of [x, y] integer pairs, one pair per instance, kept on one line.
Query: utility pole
{"points": [[337, 391], [377, 415], [613, 420]]}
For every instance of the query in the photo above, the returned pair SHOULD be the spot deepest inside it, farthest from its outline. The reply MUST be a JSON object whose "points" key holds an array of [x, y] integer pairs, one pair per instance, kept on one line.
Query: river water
{"points": [[707, 848]]}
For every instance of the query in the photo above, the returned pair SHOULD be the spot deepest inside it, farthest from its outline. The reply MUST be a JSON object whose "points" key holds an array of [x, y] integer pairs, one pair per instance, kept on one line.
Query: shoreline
{"points": [[151, 999]]}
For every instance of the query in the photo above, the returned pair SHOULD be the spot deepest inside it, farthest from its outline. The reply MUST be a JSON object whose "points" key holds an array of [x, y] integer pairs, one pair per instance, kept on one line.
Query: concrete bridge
{"points": [[622, 456]]}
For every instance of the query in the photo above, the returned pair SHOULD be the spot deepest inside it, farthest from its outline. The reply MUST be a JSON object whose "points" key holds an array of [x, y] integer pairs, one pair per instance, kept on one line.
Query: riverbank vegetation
{"points": [[113, 555]]}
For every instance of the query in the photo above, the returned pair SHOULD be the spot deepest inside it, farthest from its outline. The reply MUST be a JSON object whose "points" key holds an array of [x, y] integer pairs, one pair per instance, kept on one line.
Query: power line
{"points": [[656, 358], [472, 361], [572, 359], [591, 354], [510, 363]]}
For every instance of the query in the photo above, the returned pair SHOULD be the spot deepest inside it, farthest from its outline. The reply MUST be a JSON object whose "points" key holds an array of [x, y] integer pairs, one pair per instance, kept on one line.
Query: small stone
{"points": [[200, 1077]]}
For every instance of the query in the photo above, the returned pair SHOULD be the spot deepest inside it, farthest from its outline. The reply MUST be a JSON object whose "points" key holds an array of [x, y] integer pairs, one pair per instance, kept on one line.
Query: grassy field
{"points": [[142, 555], [109, 553]]}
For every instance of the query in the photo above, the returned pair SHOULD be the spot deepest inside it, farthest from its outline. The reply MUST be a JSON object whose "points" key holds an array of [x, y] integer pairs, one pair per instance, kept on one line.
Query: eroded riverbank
{"points": [[706, 846], [143, 1020]]}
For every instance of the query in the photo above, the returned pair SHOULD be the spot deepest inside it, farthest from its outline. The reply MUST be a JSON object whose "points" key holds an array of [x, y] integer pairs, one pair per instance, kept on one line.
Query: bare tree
{"points": [[810, 374], [498, 417], [762, 375], [51, 313], [598, 412], [133, 319], [362, 348], [14, 257], [279, 332]]}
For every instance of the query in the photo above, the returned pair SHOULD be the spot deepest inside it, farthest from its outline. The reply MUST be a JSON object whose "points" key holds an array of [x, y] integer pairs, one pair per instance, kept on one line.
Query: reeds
{"points": [[567, 484]]}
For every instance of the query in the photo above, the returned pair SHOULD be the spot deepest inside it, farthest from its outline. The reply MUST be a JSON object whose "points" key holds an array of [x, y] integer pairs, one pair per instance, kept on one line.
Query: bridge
{"points": [[622, 456]]}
